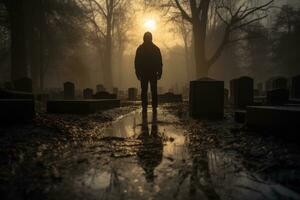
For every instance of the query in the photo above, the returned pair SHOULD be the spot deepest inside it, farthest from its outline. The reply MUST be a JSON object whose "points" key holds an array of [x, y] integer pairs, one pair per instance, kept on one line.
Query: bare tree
{"points": [[233, 14], [102, 15]]}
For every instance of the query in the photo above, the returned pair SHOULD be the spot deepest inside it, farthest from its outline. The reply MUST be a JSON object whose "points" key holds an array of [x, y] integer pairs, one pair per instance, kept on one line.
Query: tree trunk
{"points": [[108, 55], [199, 50], [18, 41]]}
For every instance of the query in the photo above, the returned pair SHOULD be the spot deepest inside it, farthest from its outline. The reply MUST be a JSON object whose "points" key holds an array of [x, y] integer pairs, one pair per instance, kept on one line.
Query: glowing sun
{"points": [[150, 24]]}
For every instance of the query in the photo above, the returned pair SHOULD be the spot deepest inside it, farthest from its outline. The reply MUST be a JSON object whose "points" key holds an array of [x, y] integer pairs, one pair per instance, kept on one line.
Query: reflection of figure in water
{"points": [[151, 151], [148, 68]]}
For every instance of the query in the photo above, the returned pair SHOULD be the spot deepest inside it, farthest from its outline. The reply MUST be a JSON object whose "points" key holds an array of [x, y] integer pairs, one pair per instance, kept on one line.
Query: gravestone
{"points": [[104, 95], [69, 90], [260, 88], [242, 92], [23, 84], [226, 96], [277, 97], [169, 98], [296, 87], [88, 93], [100, 88], [276, 82], [132, 94], [279, 83], [232, 91], [207, 99]]}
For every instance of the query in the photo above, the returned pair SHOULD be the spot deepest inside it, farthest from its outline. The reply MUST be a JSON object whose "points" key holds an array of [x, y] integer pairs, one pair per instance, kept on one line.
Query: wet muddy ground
{"points": [[125, 154]]}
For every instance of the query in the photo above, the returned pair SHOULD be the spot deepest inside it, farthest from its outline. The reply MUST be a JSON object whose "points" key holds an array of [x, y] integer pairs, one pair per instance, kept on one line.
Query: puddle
{"points": [[162, 168]]}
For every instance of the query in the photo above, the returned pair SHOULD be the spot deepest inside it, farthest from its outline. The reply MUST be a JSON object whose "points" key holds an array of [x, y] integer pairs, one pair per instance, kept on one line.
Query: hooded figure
{"points": [[148, 69]]}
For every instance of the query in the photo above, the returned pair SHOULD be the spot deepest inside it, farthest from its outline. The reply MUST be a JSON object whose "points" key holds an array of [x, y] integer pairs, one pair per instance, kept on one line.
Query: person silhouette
{"points": [[148, 68], [150, 152]]}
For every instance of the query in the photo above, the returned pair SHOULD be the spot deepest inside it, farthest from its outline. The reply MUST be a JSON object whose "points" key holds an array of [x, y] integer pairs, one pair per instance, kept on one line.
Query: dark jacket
{"points": [[148, 61]]}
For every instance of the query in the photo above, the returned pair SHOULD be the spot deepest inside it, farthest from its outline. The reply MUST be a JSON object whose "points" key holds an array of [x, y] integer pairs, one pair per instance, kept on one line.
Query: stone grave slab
{"points": [[16, 110], [69, 90], [273, 118], [207, 99], [169, 98], [81, 106]]}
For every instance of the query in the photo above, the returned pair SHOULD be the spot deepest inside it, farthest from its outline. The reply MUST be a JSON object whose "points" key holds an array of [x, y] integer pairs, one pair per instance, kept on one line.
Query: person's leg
{"points": [[144, 93], [153, 84]]}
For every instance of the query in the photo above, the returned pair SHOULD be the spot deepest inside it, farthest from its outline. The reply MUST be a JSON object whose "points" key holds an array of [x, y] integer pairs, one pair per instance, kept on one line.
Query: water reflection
{"points": [[165, 167], [150, 152]]}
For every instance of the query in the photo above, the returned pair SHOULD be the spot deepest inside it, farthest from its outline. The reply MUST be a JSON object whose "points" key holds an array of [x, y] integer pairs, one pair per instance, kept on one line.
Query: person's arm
{"points": [[160, 65], [137, 63]]}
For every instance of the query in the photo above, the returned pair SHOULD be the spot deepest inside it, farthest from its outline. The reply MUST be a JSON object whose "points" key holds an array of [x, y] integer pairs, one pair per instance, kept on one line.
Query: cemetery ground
{"points": [[122, 154]]}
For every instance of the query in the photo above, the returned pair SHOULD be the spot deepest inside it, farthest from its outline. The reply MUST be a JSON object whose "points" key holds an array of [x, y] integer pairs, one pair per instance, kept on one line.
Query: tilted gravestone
{"points": [[69, 90], [132, 94], [296, 87], [88, 93], [104, 95], [100, 88], [23, 84], [242, 92], [207, 99]]}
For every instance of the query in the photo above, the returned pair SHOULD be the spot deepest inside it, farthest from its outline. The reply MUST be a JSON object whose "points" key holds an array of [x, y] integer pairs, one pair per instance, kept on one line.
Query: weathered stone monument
{"points": [[242, 92], [296, 87], [207, 98], [88, 93], [169, 98], [100, 88], [132, 94], [69, 90], [23, 84]]}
